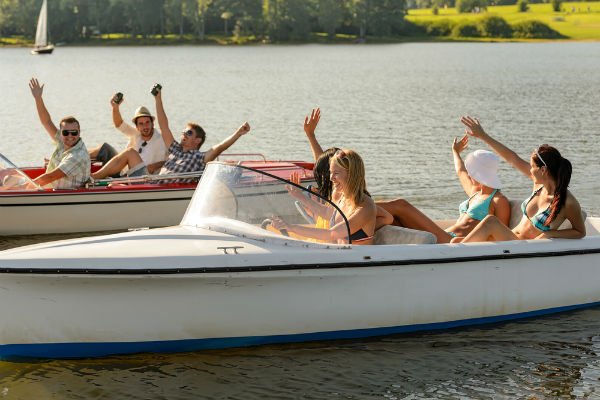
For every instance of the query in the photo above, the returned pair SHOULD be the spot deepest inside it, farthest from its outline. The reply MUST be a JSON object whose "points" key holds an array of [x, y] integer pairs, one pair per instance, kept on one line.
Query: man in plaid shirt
{"points": [[69, 165], [184, 156]]}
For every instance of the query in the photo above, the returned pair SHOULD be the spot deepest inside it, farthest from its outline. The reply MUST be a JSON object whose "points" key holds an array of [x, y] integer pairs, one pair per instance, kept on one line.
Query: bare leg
{"points": [[407, 215], [490, 229], [94, 152], [129, 157]]}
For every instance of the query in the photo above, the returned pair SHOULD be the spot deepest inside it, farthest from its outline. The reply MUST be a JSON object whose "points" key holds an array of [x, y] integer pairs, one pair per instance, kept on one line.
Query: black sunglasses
{"points": [[188, 133], [142, 147], [72, 132]]}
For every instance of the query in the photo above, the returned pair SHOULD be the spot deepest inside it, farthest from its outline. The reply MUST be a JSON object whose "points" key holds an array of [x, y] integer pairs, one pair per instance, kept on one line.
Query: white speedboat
{"points": [[224, 278], [112, 204]]}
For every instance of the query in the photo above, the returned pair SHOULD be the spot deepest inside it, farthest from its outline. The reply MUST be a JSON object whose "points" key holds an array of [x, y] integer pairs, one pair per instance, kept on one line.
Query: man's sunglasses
{"points": [[72, 132], [142, 147], [188, 133]]}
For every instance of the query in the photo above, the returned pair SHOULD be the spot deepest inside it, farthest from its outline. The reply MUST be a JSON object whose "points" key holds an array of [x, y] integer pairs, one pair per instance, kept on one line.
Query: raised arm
{"points": [[310, 125], [459, 166], [214, 151], [474, 129], [163, 121], [37, 91]]}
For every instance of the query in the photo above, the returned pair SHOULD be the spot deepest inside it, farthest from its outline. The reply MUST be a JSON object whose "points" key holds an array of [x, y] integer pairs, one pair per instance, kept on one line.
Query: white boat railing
{"points": [[144, 179], [226, 156]]}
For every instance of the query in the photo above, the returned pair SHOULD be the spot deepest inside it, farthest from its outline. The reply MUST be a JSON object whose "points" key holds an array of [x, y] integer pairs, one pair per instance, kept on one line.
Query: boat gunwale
{"points": [[505, 255]]}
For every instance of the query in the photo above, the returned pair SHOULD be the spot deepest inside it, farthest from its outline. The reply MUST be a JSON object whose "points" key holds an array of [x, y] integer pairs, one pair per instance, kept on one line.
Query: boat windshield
{"points": [[12, 178], [242, 200]]}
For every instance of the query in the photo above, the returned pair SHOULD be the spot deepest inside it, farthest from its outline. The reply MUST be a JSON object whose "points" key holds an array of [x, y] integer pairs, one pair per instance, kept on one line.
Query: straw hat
{"points": [[141, 112], [482, 165]]}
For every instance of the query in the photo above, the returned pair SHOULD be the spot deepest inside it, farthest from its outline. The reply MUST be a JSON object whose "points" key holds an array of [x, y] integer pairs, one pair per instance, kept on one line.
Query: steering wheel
{"points": [[269, 221], [303, 212]]}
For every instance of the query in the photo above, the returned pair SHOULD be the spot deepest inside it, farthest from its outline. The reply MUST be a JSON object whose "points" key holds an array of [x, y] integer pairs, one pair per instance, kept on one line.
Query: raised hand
{"points": [[473, 125], [243, 129], [459, 145], [294, 178], [116, 99], [36, 89], [310, 123]]}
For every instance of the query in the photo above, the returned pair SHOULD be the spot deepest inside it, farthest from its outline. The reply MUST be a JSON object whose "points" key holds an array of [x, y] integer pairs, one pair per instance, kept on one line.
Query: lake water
{"points": [[399, 107]]}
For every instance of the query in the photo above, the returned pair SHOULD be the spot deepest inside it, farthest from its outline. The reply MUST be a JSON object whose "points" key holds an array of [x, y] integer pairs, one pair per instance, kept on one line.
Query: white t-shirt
{"points": [[153, 151]]}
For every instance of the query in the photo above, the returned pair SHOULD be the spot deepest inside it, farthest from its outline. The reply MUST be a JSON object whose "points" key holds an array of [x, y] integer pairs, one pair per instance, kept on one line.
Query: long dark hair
{"points": [[560, 169], [321, 173]]}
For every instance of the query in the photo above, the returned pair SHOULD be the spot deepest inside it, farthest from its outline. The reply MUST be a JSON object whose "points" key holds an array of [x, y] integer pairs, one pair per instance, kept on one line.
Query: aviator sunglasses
{"points": [[142, 147], [188, 133], [72, 132]]}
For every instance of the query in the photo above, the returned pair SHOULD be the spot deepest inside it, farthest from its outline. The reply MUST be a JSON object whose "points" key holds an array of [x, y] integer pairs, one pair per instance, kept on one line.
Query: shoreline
{"points": [[369, 41]]}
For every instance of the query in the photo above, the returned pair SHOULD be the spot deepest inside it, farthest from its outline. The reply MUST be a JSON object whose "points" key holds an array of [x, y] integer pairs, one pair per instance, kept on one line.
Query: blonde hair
{"points": [[356, 186]]}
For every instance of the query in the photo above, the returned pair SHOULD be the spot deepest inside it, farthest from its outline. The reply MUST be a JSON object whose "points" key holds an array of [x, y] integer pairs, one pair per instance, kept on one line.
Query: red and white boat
{"points": [[117, 204]]}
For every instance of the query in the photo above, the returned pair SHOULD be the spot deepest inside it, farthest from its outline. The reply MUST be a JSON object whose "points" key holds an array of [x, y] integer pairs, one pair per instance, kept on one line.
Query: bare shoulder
{"points": [[368, 203], [571, 202], [500, 199]]}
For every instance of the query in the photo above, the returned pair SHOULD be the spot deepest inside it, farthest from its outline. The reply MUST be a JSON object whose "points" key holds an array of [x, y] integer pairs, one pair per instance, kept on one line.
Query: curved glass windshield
{"points": [[241, 200], [12, 178]]}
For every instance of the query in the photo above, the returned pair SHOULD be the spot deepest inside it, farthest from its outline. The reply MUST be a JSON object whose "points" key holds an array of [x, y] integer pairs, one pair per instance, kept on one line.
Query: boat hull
{"points": [[79, 315], [81, 211], [43, 50]]}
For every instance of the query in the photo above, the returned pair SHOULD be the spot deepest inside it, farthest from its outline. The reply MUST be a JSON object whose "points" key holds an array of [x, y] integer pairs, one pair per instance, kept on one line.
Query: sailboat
{"points": [[41, 34]]}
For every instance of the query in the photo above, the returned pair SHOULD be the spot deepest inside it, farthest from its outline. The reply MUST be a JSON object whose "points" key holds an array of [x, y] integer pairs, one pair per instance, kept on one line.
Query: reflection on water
{"points": [[398, 106]]}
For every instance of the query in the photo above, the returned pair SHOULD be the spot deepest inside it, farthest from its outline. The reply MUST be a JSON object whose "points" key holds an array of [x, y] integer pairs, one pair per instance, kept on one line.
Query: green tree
{"points": [[330, 15], [466, 6]]}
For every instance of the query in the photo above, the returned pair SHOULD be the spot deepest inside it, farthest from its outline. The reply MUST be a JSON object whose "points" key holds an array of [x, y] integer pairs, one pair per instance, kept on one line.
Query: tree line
{"points": [[275, 20]]}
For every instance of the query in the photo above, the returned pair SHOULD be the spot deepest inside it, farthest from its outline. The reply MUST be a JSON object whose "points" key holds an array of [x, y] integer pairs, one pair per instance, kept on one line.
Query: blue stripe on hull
{"points": [[17, 352]]}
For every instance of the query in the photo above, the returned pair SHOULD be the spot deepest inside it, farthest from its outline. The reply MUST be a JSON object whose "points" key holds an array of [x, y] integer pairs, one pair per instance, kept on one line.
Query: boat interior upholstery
{"points": [[398, 235], [390, 234]]}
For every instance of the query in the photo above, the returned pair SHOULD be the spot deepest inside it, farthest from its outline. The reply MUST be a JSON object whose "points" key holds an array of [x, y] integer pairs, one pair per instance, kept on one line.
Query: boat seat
{"points": [[391, 234], [516, 214]]}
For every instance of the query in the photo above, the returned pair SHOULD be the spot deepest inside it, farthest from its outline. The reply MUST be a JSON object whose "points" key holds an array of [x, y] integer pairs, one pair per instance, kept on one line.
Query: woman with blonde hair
{"points": [[347, 174]]}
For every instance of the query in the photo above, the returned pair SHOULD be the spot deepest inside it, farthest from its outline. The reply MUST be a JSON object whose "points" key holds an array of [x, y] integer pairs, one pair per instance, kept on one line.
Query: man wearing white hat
{"points": [[144, 138]]}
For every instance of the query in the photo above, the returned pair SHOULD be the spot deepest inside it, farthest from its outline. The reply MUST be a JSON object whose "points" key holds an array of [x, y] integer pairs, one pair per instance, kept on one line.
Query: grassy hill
{"points": [[576, 21]]}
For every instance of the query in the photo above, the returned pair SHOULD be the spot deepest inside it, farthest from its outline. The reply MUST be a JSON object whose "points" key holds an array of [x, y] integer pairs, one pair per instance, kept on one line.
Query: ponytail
{"points": [[563, 178]]}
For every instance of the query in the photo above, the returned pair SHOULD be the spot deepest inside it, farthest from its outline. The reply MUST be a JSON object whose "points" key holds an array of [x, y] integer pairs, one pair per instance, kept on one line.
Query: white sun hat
{"points": [[482, 165]]}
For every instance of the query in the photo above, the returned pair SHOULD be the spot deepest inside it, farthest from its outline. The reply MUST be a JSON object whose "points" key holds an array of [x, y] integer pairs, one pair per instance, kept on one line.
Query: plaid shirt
{"points": [[74, 162], [182, 161]]}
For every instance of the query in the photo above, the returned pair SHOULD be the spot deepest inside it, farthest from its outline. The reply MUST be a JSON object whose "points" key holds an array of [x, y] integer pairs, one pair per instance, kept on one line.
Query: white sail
{"points": [[41, 34]]}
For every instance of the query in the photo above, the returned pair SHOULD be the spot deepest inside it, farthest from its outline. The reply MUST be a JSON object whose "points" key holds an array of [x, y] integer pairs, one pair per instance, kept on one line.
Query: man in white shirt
{"points": [[144, 139]]}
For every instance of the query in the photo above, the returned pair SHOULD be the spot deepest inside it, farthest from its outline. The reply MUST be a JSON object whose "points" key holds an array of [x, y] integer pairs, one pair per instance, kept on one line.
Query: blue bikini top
{"points": [[478, 210], [539, 219]]}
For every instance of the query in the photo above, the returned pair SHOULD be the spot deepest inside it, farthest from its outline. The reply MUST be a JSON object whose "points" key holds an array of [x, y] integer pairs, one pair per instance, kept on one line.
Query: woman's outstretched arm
{"points": [[474, 129]]}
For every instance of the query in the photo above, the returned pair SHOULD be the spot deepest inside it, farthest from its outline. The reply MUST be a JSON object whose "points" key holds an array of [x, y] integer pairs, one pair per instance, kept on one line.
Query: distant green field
{"points": [[578, 20]]}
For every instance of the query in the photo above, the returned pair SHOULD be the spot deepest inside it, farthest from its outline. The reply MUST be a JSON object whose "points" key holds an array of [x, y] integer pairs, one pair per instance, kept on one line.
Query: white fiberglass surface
{"points": [[239, 197], [12, 178]]}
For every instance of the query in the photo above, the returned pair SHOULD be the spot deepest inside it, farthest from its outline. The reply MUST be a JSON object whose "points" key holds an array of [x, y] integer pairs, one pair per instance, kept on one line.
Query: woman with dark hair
{"points": [[550, 203]]}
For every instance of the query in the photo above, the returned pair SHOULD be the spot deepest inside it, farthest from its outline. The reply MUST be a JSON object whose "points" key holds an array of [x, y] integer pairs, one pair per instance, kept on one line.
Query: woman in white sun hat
{"points": [[478, 175]]}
